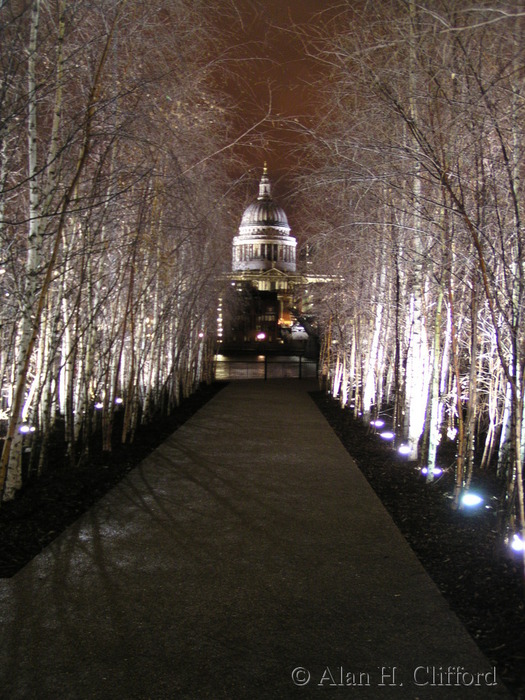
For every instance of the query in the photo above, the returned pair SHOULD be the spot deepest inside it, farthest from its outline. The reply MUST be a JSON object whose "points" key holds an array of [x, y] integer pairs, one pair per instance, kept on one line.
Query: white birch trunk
{"points": [[34, 253], [435, 401], [417, 377], [344, 383], [337, 375], [371, 370], [41, 188]]}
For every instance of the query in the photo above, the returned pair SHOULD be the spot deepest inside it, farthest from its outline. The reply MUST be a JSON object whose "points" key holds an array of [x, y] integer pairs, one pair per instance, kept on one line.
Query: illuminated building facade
{"points": [[264, 241], [264, 283]]}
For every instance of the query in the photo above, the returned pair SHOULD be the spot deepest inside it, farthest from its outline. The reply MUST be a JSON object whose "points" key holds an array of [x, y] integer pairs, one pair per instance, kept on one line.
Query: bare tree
{"points": [[425, 132], [111, 219]]}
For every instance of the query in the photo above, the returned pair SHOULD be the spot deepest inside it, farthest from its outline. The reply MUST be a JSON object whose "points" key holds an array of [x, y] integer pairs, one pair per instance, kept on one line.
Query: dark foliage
{"points": [[462, 551], [46, 506]]}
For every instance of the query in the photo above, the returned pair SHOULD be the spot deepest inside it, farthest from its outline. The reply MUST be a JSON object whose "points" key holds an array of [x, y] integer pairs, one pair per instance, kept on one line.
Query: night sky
{"points": [[266, 53]]}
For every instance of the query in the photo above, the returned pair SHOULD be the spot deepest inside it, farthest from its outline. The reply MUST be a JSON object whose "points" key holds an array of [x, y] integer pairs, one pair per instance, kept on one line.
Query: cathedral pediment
{"points": [[274, 272]]}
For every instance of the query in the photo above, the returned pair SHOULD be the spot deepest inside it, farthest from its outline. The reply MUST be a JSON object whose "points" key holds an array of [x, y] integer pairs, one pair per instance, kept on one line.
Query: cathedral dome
{"points": [[264, 212], [264, 241]]}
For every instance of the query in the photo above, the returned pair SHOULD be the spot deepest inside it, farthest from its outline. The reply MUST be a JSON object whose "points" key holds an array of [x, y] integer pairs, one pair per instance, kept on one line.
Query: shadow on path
{"points": [[248, 545]]}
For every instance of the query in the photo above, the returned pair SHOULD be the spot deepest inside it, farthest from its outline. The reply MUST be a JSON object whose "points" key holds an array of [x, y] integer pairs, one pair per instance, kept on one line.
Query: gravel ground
{"points": [[482, 581]]}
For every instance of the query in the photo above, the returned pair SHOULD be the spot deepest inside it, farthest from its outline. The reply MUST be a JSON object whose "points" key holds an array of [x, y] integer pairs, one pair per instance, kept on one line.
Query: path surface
{"points": [[248, 545]]}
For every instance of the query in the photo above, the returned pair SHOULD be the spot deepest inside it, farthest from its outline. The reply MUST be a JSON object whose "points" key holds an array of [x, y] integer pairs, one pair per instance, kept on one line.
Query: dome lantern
{"points": [[264, 185]]}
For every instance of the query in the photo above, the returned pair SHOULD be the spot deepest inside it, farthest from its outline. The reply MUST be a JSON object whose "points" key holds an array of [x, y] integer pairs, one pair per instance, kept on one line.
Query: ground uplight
{"points": [[516, 543], [378, 423], [437, 471], [387, 435], [471, 500], [404, 449]]}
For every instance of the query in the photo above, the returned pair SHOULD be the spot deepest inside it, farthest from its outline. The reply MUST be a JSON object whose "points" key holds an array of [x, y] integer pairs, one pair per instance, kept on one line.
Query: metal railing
{"points": [[265, 367]]}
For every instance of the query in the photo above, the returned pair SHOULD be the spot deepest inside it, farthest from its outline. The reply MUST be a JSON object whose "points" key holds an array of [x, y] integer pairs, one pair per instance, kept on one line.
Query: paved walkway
{"points": [[243, 558]]}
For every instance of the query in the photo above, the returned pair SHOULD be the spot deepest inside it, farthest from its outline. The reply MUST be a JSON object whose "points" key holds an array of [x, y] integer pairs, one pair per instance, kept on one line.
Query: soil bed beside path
{"points": [[461, 551], [45, 507]]}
